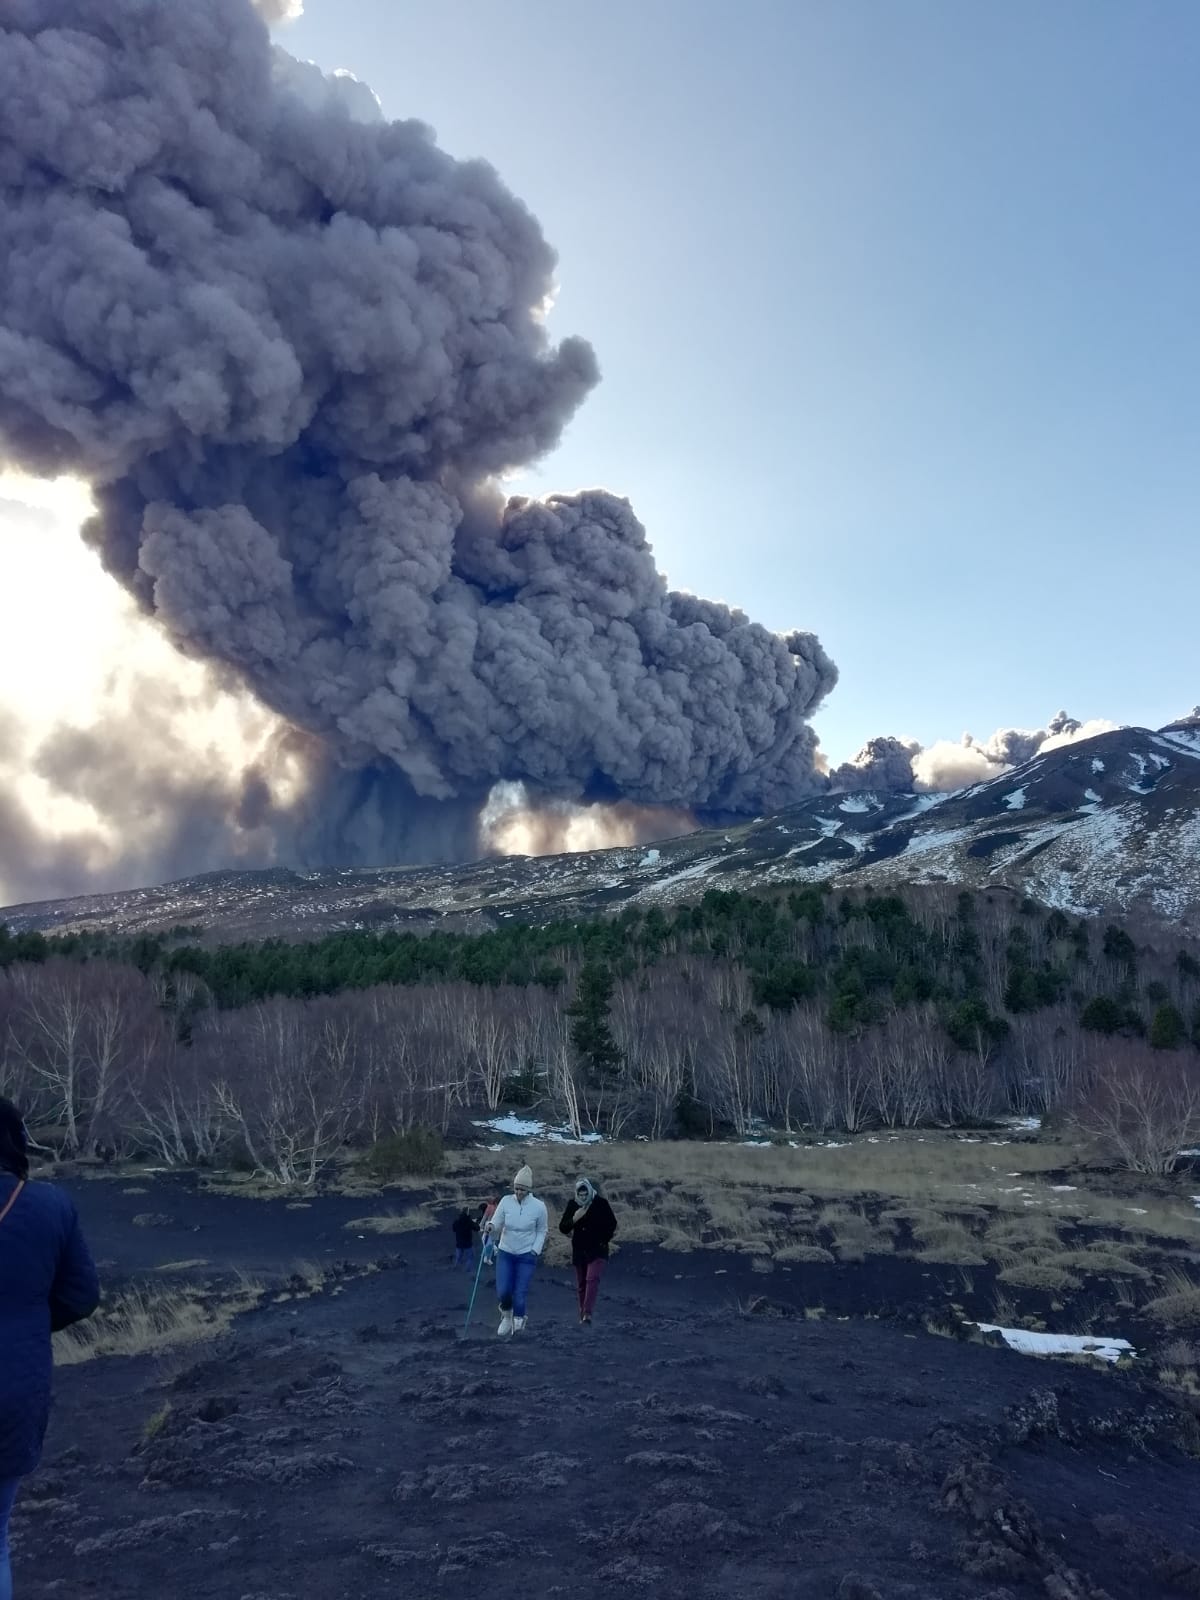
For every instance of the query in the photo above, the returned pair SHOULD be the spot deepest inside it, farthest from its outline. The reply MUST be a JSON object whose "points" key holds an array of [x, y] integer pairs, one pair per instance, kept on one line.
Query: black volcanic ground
{"points": [[699, 1441]]}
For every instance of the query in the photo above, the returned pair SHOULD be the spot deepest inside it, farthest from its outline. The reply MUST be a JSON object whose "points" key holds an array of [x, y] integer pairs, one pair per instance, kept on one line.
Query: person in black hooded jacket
{"points": [[589, 1223], [47, 1282]]}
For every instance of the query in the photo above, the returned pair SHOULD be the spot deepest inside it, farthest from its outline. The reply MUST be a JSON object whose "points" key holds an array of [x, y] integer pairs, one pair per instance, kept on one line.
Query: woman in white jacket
{"points": [[518, 1226]]}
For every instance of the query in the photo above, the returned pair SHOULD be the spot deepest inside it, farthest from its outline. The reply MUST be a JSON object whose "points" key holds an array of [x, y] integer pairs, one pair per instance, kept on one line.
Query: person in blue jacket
{"points": [[47, 1282]]}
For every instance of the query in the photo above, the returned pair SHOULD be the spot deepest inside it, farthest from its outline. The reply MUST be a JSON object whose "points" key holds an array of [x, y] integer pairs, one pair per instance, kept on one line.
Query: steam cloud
{"points": [[890, 765], [279, 10], [291, 345], [513, 827]]}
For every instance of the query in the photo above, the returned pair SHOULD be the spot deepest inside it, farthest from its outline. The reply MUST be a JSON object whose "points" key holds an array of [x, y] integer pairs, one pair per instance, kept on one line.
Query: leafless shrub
{"points": [[78, 1041], [287, 1090], [1141, 1110]]}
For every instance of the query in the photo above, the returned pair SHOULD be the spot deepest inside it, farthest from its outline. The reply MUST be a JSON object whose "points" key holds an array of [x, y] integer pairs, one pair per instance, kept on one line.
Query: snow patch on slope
{"points": [[1180, 740], [1059, 1344], [696, 870]]}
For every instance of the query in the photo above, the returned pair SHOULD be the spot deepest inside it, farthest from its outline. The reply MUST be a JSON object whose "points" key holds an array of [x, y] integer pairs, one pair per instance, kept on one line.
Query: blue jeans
{"points": [[8, 1493], [513, 1277], [464, 1255]]}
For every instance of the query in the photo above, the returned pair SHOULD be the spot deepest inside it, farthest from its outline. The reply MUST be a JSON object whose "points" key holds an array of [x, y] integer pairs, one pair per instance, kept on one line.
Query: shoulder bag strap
{"points": [[12, 1199]]}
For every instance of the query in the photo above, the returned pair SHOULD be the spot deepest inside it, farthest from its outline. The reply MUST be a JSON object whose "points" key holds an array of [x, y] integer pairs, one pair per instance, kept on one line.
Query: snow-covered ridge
{"points": [[1109, 824]]}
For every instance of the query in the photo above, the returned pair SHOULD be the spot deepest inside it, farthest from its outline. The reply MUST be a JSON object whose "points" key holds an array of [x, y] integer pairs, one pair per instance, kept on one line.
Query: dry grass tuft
{"points": [[1179, 1306], [390, 1222], [155, 1423], [145, 1321], [855, 1236], [800, 1253], [1179, 1366], [1102, 1260], [1042, 1274], [969, 1202], [1181, 1353], [1023, 1232], [946, 1242], [1004, 1312], [249, 1186]]}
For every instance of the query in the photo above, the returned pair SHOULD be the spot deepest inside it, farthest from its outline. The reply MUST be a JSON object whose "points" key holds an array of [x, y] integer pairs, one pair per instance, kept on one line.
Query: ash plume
{"points": [[891, 765], [291, 345], [883, 765]]}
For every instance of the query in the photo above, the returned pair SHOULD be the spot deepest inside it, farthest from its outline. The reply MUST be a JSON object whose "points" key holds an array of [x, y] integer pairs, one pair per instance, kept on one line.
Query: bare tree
{"points": [[178, 1114], [77, 1037], [563, 1074], [814, 1059], [728, 1074], [904, 1062], [15, 1069], [1142, 1111], [47, 1031], [283, 1095], [1047, 1065]]}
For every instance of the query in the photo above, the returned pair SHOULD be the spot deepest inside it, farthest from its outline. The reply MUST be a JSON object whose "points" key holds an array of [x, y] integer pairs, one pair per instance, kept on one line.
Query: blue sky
{"points": [[896, 306]]}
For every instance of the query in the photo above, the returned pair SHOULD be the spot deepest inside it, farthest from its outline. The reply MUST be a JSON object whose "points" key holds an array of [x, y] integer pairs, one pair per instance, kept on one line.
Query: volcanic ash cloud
{"points": [[889, 765], [291, 345]]}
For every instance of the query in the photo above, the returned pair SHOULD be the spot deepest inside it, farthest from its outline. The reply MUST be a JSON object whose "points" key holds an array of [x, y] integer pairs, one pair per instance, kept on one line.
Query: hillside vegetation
{"points": [[793, 1010]]}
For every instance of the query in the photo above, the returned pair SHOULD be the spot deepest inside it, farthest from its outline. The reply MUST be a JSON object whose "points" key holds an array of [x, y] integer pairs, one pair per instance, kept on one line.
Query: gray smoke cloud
{"points": [[291, 344], [889, 765], [151, 813], [882, 766]]}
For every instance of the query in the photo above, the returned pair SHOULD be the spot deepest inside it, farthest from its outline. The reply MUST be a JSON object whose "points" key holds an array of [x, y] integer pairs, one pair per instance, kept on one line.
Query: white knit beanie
{"points": [[524, 1179]]}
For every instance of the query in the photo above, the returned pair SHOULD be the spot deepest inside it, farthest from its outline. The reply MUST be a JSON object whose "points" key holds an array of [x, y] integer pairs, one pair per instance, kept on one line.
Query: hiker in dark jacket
{"points": [[47, 1282], [465, 1228], [590, 1225]]}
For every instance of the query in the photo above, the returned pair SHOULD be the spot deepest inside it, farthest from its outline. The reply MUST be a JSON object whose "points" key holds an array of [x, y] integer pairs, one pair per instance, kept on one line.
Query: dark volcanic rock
{"points": [[682, 1451]]}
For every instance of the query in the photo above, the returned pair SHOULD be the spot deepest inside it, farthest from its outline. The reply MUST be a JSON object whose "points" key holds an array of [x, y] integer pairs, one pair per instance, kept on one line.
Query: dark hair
{"points": [[13, 1141]]}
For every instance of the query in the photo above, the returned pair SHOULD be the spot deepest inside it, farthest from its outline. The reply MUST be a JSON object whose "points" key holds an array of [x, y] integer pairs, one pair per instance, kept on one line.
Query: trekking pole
{"points": [[474, 1290]]}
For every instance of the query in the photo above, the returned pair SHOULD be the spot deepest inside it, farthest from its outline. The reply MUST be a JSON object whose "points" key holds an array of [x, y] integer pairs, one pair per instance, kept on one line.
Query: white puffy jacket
{"points": [[519, 1226]]}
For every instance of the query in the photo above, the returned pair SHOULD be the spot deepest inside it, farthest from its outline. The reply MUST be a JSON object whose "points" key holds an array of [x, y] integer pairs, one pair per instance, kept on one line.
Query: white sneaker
{"points": [[505, 1329], [518, 1324]]}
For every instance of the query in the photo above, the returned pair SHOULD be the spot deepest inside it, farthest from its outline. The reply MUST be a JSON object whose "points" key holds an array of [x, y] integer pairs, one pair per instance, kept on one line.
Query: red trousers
{"points": [[587, 1280]]}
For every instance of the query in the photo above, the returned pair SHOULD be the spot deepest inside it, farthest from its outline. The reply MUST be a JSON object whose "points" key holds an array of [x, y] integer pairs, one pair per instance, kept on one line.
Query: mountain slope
{"points": [[1109, 824]]}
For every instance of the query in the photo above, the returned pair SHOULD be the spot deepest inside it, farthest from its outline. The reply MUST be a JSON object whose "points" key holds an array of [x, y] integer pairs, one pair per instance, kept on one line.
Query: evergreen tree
{"points": [[1103, 1014], [1118, 946], [1168, 1030], [590, 1031]]}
